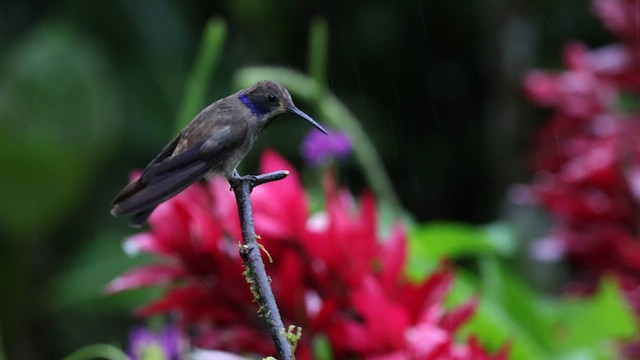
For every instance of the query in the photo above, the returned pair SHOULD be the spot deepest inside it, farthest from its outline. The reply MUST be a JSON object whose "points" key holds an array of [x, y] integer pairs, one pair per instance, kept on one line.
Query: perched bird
{"points": [[215, 141]]}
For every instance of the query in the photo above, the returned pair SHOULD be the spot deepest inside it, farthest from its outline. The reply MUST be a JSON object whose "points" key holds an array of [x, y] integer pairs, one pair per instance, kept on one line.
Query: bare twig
{"points": [[250, 252]]}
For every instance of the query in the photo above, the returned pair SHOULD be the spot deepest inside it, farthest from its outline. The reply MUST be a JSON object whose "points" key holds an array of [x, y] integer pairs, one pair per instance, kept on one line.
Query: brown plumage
{"points": [[216, 140]]}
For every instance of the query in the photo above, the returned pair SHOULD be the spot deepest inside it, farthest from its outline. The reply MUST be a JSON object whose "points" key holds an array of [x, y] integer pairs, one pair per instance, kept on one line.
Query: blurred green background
{"points": [[91, 90]]}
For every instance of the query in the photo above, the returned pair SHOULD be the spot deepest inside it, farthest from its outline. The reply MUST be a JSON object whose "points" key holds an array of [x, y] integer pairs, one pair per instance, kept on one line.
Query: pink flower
{"points": [[580, 92], [588, 155], [332, 274], [620, 16]]}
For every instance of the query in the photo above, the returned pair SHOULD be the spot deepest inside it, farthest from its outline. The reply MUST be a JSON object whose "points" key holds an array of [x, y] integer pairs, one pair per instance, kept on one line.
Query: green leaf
{"points": [[508, 311], [436, 240], [98, 351], [629, 101], [81, 287], [59, 114], [318, 49], [322, 348], [518, 300], [502, 237], [590, 322], [447, 239], [494, 324], [202, 72], [584, 328]]}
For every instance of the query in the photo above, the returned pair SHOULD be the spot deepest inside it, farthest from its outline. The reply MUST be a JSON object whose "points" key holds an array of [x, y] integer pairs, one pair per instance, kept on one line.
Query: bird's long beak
{"points": [[299, 112]]}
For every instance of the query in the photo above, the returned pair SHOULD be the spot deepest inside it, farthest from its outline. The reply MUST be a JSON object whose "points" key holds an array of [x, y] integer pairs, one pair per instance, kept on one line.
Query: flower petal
{"points": [[150, 275]]}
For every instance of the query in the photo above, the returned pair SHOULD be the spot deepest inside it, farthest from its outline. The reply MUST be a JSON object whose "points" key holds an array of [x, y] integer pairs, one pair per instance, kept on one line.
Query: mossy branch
{"points": [[255, 272]]}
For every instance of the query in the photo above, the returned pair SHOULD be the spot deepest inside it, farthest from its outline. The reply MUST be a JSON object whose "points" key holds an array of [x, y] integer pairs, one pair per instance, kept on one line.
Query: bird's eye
{"points": [[271, 98]]}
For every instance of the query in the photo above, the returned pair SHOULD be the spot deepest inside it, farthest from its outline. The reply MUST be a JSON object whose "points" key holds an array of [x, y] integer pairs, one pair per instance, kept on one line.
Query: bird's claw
{"points": [[250, 178], [236, 178]]}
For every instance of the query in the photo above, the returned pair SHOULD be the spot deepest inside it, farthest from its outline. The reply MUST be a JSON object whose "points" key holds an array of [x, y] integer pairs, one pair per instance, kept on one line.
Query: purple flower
{"points": [[318, 148], [145, 344]]}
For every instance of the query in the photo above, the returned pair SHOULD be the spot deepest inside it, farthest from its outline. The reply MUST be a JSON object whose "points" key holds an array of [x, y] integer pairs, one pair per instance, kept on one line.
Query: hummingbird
{"points": [[215, 141]]}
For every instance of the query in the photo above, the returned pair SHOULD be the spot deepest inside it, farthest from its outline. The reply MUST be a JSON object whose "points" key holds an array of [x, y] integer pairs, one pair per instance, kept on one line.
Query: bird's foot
{"points": [[255, 180], [238, 177]]}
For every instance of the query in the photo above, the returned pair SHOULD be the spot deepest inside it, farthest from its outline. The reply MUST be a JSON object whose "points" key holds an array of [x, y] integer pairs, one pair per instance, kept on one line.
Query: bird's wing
{"points": [[166, 176], [166, 151], [137, 185]]}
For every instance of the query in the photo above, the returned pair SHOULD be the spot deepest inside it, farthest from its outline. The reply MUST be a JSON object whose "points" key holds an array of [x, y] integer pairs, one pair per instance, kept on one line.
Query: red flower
{"points": [[588, 154], [582, 91], [620, 16], [332, 274]]}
